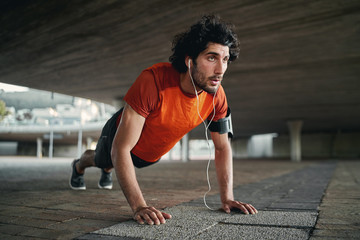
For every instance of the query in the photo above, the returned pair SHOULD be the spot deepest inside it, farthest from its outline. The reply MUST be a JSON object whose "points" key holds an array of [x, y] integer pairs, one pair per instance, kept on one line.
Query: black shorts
{"points": [[103, 147]]}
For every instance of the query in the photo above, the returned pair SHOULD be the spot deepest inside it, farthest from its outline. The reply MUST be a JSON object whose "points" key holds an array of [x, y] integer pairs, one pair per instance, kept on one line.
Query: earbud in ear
{"points": [[189, 63]]}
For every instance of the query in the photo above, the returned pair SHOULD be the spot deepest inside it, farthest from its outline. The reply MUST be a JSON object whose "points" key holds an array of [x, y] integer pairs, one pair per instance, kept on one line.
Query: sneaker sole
{"points": [[105, 187], [79, 188], [74, 188]]}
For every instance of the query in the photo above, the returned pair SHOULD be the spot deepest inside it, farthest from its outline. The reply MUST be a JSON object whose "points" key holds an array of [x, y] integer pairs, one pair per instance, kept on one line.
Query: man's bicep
{"points": [[129, 129]]}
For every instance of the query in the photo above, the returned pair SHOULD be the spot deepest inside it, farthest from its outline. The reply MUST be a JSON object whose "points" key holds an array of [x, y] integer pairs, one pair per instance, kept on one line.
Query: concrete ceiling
{"points": [[298, 60]]}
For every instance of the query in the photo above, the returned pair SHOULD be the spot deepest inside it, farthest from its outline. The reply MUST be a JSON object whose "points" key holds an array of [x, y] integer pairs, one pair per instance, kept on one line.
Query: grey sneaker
{"points": [[76, 180], [105, 181]]}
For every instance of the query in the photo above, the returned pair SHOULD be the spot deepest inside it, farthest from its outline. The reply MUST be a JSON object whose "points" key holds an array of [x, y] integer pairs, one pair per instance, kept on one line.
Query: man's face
{"points": [[210, 67]]}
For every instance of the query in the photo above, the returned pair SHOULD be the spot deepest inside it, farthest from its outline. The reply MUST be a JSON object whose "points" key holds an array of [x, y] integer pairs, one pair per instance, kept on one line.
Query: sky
{"points": [[12, 88]]}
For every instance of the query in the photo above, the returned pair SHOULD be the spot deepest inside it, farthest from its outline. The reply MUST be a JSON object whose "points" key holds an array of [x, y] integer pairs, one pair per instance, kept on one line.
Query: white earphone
{"points": [[206, 134]]}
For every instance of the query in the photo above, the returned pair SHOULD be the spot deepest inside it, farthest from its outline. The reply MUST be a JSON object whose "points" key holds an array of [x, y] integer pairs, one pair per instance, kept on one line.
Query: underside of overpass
{"points": [[299, 60]]}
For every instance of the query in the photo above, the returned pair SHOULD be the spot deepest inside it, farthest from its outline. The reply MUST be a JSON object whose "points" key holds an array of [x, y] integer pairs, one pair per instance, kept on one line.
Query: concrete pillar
{"points": [[102, 110], [39, 148], [79, 146], [51, 143], [295, 139], [89, 141], [170, 154], [185, 148]]}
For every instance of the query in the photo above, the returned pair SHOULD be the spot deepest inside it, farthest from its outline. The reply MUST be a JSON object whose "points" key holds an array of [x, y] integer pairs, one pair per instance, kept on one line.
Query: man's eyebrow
{"points": [[217, 54], [213, 53]]}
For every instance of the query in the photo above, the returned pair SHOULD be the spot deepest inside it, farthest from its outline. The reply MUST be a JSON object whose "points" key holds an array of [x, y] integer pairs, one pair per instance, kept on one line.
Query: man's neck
{"points": [[186, 84]]}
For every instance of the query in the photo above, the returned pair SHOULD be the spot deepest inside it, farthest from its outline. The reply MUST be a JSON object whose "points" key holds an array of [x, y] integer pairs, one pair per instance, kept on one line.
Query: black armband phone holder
{"points": [[223, 125]]}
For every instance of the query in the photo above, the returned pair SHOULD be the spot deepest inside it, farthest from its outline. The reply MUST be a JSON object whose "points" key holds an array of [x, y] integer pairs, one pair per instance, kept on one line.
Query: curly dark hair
{"points": [[192, 42]]}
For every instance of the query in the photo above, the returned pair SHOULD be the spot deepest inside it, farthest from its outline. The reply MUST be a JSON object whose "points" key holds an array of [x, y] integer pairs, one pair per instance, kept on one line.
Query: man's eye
{"points": [[211, 59]]}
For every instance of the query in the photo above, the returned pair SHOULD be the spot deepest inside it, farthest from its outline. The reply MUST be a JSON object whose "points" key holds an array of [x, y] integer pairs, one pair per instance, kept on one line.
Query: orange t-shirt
{"points": [[170, 113]]}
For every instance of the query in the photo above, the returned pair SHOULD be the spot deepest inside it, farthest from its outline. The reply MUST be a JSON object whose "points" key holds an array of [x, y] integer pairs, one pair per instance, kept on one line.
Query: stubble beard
{"points": [[201, 81]]}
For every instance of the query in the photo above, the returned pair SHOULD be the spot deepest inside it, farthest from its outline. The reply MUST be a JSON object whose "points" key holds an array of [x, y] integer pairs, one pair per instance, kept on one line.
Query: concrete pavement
{"points": [[311, 199]]}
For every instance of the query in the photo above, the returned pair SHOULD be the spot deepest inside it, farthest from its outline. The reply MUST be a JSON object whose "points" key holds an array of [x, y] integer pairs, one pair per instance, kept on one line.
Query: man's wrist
{"points": [[226, 198], [139, 207]]}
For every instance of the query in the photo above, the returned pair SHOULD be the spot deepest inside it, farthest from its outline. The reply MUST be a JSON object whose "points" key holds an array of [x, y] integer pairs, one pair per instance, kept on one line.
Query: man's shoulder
{"points": [[165, 75], [162, 67]]}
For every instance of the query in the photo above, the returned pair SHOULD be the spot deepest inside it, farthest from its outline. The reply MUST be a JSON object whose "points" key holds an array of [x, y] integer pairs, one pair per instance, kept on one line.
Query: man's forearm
{"points": [[224, 172], [126, 176]]}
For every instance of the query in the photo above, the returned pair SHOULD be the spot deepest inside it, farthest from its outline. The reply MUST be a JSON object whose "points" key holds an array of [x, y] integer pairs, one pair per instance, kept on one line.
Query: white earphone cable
{"points": [[206, 135]]}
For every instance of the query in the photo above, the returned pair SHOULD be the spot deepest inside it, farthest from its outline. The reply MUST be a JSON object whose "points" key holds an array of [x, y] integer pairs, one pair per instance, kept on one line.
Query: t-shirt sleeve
{"points": [[221, 105], [143, 94]]}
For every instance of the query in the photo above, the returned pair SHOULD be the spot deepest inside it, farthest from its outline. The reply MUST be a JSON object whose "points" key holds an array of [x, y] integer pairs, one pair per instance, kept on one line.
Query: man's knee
{"points": [[89, 152], [88, 155]]}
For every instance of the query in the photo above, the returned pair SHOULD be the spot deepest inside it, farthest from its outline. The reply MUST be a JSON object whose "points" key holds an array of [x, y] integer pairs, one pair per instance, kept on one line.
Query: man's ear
{"points": [[187, 61]]}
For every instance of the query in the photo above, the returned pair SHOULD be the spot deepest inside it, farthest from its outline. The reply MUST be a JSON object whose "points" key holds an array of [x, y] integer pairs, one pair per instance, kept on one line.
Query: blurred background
{"points": [[294, 91]]}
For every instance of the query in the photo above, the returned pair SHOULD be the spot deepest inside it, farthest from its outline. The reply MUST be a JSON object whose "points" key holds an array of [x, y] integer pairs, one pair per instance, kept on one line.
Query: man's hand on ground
{"points": [[150, 215], [244, 207]]}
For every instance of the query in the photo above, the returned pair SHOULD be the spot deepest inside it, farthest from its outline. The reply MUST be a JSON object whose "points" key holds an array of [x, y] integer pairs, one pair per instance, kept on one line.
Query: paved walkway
{"points": [[36, 202]]}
